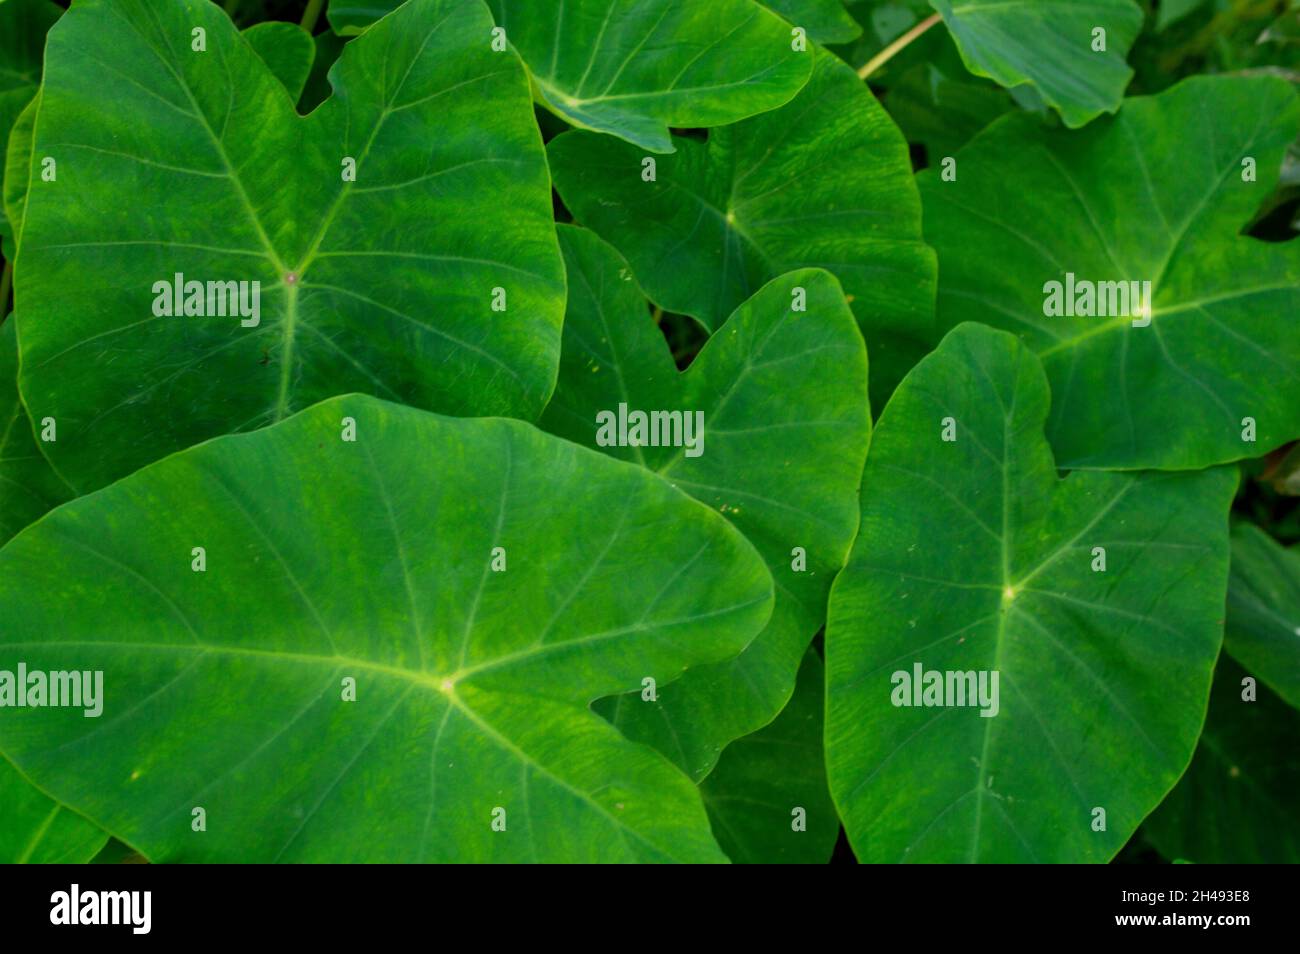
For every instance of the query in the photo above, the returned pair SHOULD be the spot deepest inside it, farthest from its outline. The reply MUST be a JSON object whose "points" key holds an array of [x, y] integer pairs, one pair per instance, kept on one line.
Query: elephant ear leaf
{"points": [[1237, 802], [417, 639], [1165, 332], [271, 260], [633, 68], [35, 830], [994, 639], [1072, 51], [1263, 627], [823, 182], [23, 25], [774, 427], [287, 50]]}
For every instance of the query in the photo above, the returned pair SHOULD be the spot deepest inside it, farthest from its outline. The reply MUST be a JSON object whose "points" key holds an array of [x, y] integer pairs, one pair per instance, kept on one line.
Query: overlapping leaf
{"points": [[23, 25], [767, 797], [823, 182], [1263, 627], [384, 284], [974, 557], [825, 20], [287, 50], [1157, 194], [783, 398], [1237, 802], [371, 560]]}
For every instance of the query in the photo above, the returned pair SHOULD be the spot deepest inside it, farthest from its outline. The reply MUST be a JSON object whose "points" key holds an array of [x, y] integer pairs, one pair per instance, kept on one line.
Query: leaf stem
{"points": [[311, 15], [889, 52]]}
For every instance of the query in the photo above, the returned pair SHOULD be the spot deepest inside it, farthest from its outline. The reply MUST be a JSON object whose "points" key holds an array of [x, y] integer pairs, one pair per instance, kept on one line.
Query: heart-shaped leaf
{"points": [[28, 486], [767, 797], [35, 830], [1237, 802], [1094, 601], [823, 182], [1055, 45], [23, 25], [287, 50], [411, 281], [778, 400], [384, 650], [1263, 628], [1058, 254]]}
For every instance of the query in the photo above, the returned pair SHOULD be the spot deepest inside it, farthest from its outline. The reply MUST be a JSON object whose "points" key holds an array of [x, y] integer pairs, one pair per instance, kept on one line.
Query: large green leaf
{"points": [[1263, 628], [1237, 803], [384, 285], [1052, 45], [767, 798], [783, 399], [23, 25], [287, 50], [823, 182], [328, 559], [974, 557], [1155, 194], [633, 68], [28, 487], [36, 830]]}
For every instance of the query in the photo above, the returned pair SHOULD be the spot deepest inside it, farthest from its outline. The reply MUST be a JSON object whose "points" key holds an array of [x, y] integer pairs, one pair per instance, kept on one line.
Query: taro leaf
{"points": [[824, 182], [1237, 803], [36, 830], [786, 425], [385, 284], [328, 560], [972, 557], [632, 68], [23, 25], [18, 160], [1051, 45], [1263, 628], [825, 20], [28, 487], [287, 50], [1155, 194], [762, 780]]}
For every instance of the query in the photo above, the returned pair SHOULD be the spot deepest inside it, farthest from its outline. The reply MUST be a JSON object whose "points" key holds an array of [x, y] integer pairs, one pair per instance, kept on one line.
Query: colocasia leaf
{"points": [[823, 182], [773, 430], [23, 25], [1017, 665], [28, 486], [1263, 628], [1072, 51], [1237, 803], [199, 259], [1115, 253], [35, 830], [767, 798], [371, 633], [287, 50], [825, 21]]}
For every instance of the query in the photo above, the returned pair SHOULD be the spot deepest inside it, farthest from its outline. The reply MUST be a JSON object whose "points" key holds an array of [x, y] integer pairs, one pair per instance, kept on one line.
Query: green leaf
{"points": [[783, 399], [632, 68], [1122, 202], [327, 559], [825, 20], [1263, 627], [824, 182], [286, 49], [36, 830], [1052, 45], [28, 487], [973, 557], [763, 781], [1237, 803], [383, 285], [1171, 11], [23, 25], [329, 47], [352, 17], [18, 160]]}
